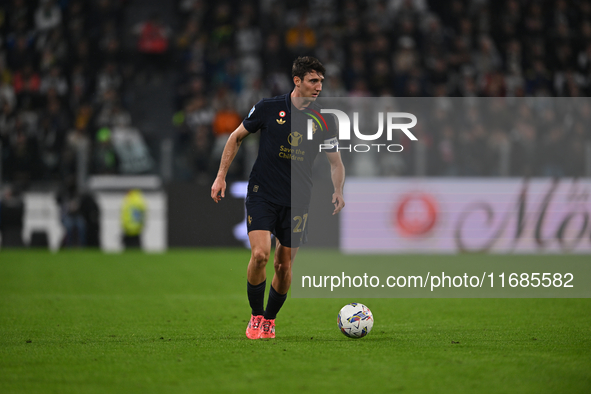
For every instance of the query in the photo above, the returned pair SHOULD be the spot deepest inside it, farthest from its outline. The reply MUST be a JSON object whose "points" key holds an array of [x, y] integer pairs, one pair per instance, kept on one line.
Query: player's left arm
{"points": [[337, 174]]}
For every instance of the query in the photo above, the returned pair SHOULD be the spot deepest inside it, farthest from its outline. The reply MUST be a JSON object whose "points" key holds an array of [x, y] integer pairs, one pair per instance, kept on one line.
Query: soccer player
{"points": [[280, 184]]}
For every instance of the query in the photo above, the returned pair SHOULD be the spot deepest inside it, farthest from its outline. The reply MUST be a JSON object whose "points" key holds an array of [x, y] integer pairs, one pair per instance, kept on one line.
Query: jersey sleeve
{"points": [[254, 120]]}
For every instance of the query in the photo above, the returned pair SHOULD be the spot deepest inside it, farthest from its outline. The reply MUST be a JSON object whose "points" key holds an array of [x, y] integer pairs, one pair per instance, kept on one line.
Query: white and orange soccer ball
{"points": [[355, 320]]}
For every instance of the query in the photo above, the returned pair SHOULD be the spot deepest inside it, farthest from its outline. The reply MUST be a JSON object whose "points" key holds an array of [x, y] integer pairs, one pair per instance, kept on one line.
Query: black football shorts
{"points": [[289, 225]]}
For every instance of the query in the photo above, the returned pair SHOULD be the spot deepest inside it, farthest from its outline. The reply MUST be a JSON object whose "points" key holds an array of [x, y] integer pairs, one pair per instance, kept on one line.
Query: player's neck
{"points": [[299, 101]]}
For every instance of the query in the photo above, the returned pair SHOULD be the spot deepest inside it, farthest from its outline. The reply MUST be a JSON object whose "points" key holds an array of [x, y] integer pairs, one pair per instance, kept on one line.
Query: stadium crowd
{"points": [[64, 69], [62, 73], [234, 53]]}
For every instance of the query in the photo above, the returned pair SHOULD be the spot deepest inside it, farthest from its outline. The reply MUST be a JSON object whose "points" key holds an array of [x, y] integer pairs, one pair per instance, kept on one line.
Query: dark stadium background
{"points": [[152, 88], [98, 97]]}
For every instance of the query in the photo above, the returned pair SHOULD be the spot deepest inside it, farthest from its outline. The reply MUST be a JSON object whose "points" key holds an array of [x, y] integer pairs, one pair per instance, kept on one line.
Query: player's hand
{"points": [[218, 189], [338, 201]]}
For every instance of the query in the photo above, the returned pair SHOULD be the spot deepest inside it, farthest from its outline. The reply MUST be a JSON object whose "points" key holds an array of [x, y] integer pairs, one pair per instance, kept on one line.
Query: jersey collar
{"points": [[288, 101]]}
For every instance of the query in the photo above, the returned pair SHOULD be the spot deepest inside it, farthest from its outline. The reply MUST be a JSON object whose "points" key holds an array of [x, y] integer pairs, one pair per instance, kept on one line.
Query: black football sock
{"points": [[256, 297], [274, 303]]}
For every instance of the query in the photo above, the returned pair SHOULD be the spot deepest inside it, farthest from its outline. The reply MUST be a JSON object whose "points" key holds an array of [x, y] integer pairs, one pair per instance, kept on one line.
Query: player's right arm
{"points": [[218, 189]]}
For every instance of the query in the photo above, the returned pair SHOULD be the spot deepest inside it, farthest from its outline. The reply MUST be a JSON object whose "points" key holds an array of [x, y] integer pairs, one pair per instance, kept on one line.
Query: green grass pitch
{"points": [[87, 322]]}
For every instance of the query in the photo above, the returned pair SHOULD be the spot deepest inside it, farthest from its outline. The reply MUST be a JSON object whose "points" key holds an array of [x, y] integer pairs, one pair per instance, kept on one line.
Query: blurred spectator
{"points": [[132, 153], [405, 58], [53, 47], [188, 35], [109, 78], [74, 224], [7, 124], [198, 112], [252, 94], [54, 80], [120, 117], [379, 14], [7, 95], [80, 87], [300, 39], [19, 11], [26, 83], [48, 15], [191, 85], [473, 141], [21, 53], [524, 148], [105, 107], [360, 89], [76, 18], [275, 61], [201, 155], [575, 150], [486, 59], [333, 87], [248, 37], [152, 45], [52, 135], [22, 161], [226, 120], [110, 44], [357, 71], [446, 151], [12, 211], [91, 214], [105, 159], [77, 142], [538, 80], [83, 55], [380, 77], [249, 43], [333, 57], [407, 8]]}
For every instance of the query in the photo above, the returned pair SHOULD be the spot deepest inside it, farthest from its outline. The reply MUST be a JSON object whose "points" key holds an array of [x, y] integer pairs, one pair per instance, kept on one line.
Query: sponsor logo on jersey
{"points": [[294, 138], [280, 121]]}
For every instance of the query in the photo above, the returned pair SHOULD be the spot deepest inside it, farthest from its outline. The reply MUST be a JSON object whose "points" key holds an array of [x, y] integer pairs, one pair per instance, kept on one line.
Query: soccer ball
{"points": [[355, 320]]}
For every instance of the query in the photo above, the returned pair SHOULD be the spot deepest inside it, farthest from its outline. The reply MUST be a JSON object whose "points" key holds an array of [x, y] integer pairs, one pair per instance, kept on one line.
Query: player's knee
{"points": [[260, 256], [282, 266]]}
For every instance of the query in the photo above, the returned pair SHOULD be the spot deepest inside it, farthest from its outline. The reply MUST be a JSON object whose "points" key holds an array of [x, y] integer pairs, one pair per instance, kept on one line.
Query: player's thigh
{"points": [[260, 244], [292, 226], [260, 214], [284, 255]]}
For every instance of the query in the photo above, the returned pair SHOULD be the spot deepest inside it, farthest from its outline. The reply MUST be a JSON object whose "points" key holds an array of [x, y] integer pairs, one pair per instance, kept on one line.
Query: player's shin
{"points": [[274, 304], [256, 297]]}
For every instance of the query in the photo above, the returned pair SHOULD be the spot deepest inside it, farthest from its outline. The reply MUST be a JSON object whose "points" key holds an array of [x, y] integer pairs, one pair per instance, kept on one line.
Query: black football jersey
{"points": [[282, 172]]}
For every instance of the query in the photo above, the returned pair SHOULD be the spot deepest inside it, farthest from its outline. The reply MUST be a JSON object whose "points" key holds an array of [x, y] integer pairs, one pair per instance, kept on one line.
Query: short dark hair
{"points": [[306, 64]]}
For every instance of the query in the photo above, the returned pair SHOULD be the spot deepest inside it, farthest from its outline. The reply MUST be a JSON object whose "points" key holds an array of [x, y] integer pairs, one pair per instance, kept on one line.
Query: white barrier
{"points": [[42, 214]]}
